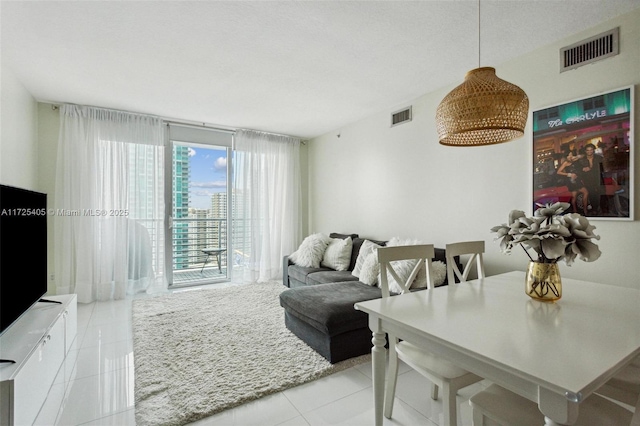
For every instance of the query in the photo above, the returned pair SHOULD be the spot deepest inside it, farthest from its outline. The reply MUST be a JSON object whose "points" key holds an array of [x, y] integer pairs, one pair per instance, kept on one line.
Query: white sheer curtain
{"points": [[266, 205], [109, 201]]}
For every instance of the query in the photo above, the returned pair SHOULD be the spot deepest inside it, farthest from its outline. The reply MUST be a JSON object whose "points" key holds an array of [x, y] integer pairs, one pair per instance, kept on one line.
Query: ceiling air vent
{"points": [[402, 116], [589, 50]]}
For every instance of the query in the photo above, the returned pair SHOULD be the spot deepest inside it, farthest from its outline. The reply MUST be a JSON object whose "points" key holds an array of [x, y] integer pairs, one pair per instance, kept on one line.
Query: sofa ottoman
{"points": [[323, 316]]}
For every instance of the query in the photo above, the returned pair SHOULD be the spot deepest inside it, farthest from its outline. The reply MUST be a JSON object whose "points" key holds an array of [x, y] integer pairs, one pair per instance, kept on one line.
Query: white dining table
{"points": [[555, 354]]}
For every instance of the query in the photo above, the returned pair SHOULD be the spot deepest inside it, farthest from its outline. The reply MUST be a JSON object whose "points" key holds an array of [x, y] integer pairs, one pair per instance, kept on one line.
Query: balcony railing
{"points": [[190, 237]]}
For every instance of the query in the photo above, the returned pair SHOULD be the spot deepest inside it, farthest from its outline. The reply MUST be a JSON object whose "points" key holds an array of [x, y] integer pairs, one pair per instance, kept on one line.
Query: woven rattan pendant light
{"points": [[483, 110]]}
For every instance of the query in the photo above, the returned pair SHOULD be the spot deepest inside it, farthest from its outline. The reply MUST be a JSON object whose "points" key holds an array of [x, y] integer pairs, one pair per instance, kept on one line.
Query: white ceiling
{"points": [[301, 68]]}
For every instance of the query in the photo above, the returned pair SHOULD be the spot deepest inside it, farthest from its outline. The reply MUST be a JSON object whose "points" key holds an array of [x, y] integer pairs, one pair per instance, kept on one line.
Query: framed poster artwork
{"points": [[583, 155]]}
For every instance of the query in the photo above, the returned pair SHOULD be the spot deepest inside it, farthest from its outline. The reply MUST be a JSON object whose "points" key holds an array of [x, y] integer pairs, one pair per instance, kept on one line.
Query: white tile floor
{"points": [[96, 387]]}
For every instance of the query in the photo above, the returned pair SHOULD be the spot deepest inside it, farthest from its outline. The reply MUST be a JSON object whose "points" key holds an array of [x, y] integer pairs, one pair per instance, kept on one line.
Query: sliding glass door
{"points": [[199, 212]]}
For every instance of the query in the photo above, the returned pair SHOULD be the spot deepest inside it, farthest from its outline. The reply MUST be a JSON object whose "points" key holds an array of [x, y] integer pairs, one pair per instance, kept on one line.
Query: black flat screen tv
{"points": [[23, 251]]}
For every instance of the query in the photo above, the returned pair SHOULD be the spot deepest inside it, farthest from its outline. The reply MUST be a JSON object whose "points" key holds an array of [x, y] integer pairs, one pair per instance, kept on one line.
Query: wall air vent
{"points": [[402, 116], [590, 50]]}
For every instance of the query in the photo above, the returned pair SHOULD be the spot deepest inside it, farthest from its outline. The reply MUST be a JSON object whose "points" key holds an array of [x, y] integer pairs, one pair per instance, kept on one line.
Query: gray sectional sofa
{"points": [[299, 276], [318, 306]]}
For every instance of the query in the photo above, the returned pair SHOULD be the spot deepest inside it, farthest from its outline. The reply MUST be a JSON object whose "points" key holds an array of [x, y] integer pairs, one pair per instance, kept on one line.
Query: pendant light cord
{"points": [[478, 33]]}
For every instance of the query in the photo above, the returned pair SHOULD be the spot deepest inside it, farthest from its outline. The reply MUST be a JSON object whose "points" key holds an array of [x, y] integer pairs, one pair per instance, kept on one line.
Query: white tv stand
{"points": [[38, 343]]}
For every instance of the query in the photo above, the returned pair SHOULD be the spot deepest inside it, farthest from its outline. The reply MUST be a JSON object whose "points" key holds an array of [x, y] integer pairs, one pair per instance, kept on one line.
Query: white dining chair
{"points": [[625, 387], [441, 372], [635, 421], [498, 406], [475, 250]]}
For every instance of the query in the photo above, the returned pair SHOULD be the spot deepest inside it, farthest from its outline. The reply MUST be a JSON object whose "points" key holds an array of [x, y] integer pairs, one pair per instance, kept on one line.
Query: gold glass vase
{"points": [[543, 281]]}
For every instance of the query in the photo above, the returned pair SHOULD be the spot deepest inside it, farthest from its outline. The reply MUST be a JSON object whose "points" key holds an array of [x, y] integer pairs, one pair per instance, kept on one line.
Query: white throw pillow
{"points": [[370, 269], [311, 251], [438, 274], [397, 241], [366, 248], [402, 267], [338, 254]]}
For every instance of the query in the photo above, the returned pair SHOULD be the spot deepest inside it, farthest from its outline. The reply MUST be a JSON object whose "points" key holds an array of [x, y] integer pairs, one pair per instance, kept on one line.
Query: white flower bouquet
{"points": [[550, 234]]}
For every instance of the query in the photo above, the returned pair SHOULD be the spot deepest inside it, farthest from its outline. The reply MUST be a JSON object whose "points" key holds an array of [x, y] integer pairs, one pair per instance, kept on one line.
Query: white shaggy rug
{"points": [[200, 352]]}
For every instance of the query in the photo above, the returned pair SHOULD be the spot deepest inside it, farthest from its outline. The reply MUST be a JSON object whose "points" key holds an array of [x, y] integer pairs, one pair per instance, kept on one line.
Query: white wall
{"points": [[18, 137], [24, 159], [382, 182], [48, 129]]}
